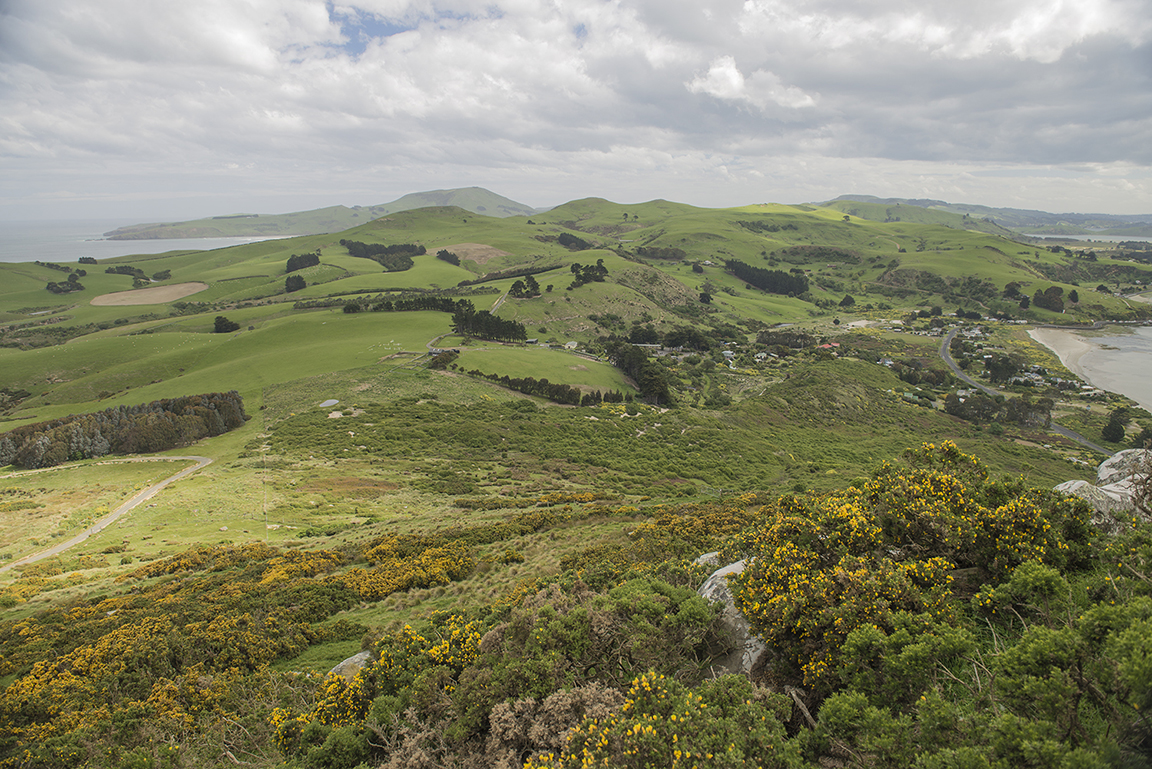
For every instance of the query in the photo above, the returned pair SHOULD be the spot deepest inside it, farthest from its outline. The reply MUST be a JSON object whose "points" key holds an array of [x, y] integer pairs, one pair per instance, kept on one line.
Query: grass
{"points": [[408, 442]]}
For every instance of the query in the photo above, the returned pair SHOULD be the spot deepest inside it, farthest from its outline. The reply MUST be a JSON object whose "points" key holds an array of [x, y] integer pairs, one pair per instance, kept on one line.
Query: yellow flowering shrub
{"points": [[821, 567]]}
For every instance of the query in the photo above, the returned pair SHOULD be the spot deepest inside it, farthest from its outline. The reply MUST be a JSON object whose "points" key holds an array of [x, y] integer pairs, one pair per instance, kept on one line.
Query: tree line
{"points": [[466, 321], [300, 261], [650, 377], [980, 408], [553, 391], [772, 281], [395, 258], [140, 429]]}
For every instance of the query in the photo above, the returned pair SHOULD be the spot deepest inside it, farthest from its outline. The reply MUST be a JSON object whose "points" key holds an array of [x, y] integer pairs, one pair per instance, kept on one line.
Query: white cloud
{"points": [[762, 90], [150, 94]]}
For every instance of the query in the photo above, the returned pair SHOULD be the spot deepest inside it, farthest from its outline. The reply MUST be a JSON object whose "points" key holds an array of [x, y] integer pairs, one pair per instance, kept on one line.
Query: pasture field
{"points": [[405, 444]]}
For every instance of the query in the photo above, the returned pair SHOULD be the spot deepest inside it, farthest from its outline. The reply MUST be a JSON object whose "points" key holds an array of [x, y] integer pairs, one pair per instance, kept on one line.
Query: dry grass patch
{"points": [[152, 295], [349, 486], [476, 252]]}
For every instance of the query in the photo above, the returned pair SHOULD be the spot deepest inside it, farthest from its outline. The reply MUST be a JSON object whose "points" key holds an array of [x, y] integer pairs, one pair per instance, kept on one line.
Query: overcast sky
{"points": [[166, 109]]}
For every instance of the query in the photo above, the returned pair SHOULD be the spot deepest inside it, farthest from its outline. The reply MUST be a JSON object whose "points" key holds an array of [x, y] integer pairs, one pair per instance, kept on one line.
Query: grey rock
{"points": [[351, 666], [747, 648], [1112, 497]]}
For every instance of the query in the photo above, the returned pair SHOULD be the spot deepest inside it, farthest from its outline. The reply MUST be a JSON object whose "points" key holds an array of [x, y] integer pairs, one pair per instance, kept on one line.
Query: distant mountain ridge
{"points": [[323, 220], [1024, 221]]}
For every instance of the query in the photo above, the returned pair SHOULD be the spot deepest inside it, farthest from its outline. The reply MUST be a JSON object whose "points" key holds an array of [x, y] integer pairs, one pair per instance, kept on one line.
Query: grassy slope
{"points": [[792, 424]]}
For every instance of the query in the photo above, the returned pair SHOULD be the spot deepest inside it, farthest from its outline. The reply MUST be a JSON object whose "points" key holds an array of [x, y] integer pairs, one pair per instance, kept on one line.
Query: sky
{"points": [[149, 110]]}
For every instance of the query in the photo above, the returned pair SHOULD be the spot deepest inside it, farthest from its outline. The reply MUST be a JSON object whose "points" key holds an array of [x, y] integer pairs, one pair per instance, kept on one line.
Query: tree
{"points": [[1074, 296], [847, 301], [1002, 368], [705, 297], [294, 283], [225, 326]]}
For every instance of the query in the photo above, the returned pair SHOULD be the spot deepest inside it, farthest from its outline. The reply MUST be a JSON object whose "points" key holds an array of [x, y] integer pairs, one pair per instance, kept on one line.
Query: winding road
{"points": [[141, 496], [1069, 434]]}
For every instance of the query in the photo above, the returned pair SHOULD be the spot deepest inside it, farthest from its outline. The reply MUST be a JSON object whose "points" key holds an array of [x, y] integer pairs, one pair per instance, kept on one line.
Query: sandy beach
{"points": [[1068, 346], [1116, 359]]}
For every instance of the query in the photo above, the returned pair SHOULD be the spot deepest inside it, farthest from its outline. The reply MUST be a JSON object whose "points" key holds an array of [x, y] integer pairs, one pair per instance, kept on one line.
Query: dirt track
{"points": [[142, 496], [152, 295]]}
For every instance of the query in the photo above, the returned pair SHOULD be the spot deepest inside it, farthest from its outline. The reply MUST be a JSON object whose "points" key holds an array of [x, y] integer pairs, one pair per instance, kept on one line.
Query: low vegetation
{"points": [[510, 530]]}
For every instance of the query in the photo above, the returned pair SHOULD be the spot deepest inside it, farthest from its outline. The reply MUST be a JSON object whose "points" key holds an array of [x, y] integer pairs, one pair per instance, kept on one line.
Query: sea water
{"points": [[1120, 361], [65, 241]]}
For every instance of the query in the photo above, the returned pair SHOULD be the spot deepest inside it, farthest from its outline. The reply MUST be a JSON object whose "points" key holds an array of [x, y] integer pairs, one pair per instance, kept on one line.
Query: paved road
{"points": [[1069, 434], [142, 496]]}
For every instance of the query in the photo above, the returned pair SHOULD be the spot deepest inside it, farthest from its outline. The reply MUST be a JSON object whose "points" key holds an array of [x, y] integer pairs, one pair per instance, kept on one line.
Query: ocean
{"points": [[1117, 359], [65, 241]]}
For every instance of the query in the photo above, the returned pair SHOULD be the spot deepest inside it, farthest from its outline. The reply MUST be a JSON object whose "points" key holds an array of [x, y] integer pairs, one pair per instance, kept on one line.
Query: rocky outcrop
{"points": [[746, 647], [1112, 496]]}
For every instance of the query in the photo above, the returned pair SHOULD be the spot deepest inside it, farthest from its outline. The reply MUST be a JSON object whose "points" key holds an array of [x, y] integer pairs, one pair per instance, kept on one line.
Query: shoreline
{"points": [[1107, 360], [1067, 345]]}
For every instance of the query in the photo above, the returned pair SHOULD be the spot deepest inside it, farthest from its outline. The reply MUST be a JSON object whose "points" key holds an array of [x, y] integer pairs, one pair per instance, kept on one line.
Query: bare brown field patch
{"points": [[151, 295], [477, 252]]}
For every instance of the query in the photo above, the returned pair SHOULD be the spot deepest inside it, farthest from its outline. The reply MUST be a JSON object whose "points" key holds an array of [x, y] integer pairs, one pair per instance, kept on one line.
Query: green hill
{"points": [[489, 451], [321, 220]]}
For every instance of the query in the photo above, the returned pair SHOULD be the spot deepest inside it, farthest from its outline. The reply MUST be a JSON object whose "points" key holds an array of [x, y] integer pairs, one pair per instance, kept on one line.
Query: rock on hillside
{"points": [[1112, 496], [747, 647]]}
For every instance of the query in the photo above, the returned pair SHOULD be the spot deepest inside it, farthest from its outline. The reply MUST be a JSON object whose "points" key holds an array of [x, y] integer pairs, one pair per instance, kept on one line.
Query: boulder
{"points": [[747, 647], [1112, 497], [351, 666]]}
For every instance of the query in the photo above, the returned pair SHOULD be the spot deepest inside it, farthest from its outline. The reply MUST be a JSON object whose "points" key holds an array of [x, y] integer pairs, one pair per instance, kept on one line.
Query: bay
{"points": [[1114, 358], [65, 241]]}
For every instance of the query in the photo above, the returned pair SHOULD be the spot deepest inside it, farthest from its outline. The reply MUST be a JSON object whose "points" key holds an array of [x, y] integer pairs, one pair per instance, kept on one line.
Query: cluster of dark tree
{"points": [[51, 266], [684, 337], [396, 258], [224, 326], [650, 377], [913, 372], [1114, 429], [300, 261], [65, 287], [591, 273], [162, 275], [445, 255], [413, 304], [655, 252], [145, 428], [87, 260], [466, 321], [786, 337], [126, 269], [980, 408], [815, 254], [525, 289], [772, 281], [968, 314], [1051, 298], [519, 272], [766, 226], [573, 243], [294, 283], [553, 391]]}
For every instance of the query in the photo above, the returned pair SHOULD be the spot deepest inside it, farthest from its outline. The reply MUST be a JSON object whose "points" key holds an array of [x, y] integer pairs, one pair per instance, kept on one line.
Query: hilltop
{"points": [[321, 220], [1024, 221]]}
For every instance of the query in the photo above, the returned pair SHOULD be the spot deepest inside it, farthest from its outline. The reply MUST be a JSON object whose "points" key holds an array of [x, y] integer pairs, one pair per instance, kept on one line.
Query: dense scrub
{"points": [[145, 428], [928, 616]]}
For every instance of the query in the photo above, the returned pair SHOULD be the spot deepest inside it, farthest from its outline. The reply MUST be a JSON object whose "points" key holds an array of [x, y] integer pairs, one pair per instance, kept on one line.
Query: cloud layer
{"points": [[152, 108]]}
